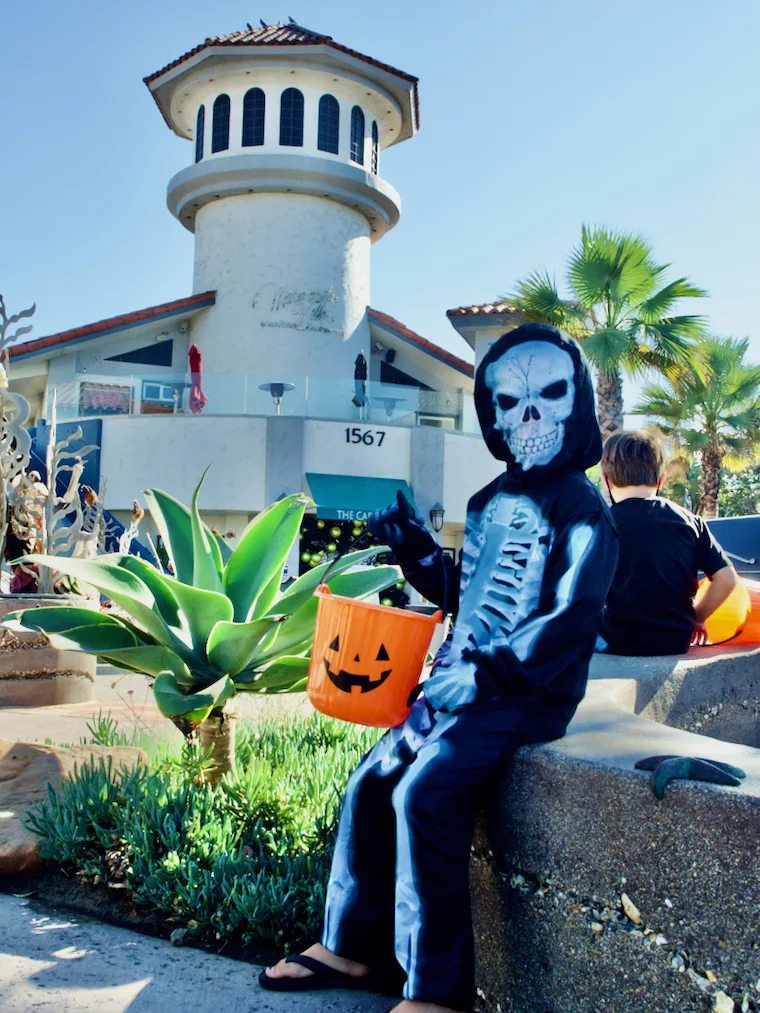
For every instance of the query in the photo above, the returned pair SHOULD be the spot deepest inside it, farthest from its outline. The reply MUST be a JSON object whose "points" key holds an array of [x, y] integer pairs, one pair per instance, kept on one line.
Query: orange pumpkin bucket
{"points": [[366, 659], [729, 621]]}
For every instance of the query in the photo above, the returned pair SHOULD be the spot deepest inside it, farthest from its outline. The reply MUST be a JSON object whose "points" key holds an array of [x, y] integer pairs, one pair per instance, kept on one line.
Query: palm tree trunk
{"points": [[710, 485], [217, 733], [609, 401]]}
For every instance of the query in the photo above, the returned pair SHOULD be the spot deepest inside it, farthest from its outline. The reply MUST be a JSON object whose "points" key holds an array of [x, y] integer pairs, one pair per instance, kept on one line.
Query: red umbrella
{"points": [[197, 398]]}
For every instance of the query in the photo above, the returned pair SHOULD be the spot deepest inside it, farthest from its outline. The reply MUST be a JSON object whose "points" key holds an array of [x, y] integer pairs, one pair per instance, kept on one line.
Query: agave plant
{"points": [[221, 625]]}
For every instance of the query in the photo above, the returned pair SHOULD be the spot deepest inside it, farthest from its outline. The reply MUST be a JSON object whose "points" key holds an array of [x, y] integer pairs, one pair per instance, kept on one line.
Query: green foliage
{"points": [[709, 407], [224, 624], [618, 305], [740, 493], [247, 860]]}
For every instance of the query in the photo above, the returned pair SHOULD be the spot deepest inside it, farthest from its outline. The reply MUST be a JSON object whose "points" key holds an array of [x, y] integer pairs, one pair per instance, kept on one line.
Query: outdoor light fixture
{"points": [[277, 390], [436, 516]]}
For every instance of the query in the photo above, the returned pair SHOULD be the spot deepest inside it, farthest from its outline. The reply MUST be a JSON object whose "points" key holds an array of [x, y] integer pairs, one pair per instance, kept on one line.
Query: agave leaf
{"points": [[201, 609], [225, 550], [175, 527], [294, 634], [94, 639], [157, 583], [304, 586], [232, 645], [206, 564], [286, 675], [150, 660], [58, 619], [126, 589], [188, 710], [252, 576]]}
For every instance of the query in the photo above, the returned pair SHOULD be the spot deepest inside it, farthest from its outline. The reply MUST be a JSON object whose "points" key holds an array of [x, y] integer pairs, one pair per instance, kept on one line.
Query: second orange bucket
{"points": [[366, 659]]}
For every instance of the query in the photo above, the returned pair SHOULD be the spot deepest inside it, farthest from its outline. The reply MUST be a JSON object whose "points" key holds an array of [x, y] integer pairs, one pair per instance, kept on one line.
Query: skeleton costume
{"points": [[539, 554]]}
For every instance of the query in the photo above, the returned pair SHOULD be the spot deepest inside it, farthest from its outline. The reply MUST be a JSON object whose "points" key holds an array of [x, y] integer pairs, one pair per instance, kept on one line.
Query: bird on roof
{"points": [[249, 26], [263, 23], [291, 20]]}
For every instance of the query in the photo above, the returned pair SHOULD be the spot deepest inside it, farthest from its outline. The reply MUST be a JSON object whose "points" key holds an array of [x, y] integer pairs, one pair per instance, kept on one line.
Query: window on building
{"points": [[199, 125], [158, 354], [391, 374], [328, 132], [291, 118], [357, 135], [375, 147], [220, 129], [254, 105]]}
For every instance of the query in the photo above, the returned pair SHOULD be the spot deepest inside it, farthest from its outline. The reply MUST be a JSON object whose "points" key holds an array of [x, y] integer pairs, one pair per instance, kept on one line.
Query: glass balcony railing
{"points": [[262, 394]]}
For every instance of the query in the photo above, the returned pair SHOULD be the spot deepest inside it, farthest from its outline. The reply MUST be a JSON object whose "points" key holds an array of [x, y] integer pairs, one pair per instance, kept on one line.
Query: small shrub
{"points": [[247, 860]]}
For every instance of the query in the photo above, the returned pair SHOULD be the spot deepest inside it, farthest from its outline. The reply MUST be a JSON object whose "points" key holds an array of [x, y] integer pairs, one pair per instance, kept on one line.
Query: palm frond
{"points": [[661, 303], [538, 299], [606, 347]]}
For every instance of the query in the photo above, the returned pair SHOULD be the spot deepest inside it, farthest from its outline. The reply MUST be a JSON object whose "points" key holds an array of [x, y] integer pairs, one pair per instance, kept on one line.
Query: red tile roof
{"points": [[482, 309], [113, 324], [287, 35], [416, 339]]}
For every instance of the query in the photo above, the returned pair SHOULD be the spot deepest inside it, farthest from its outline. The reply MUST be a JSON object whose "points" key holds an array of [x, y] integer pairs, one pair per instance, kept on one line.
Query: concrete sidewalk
{"points": [[54, 962], [128, 700]]}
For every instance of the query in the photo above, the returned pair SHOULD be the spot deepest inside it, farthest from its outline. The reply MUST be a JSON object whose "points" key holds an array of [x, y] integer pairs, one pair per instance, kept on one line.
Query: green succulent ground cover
{"points": [[245, 862]]}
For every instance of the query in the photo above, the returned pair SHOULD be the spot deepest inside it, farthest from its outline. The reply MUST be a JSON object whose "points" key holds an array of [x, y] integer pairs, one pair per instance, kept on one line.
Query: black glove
{"points": [[690, 768], [402, 527]]}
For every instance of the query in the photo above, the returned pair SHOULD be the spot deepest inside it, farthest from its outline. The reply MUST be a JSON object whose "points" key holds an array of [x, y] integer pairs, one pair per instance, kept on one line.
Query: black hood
{"points": [[542, 431]]}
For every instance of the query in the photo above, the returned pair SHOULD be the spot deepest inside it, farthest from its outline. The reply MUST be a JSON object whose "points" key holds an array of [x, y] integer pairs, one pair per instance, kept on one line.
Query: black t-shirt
{"points": [[649, 608]]}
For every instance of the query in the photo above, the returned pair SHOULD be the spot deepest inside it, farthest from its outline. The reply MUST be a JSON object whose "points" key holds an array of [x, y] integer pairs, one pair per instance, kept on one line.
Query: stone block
{"points": [[26, 770]]}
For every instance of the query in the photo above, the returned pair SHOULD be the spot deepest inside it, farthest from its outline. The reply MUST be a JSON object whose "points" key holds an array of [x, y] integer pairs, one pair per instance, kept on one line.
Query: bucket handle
{"points": [[344, 552]]}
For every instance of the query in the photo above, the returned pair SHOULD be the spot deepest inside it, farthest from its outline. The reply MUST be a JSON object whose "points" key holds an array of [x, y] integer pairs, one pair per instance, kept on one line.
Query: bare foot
{"points": [[349, 967], [412, 1006]]}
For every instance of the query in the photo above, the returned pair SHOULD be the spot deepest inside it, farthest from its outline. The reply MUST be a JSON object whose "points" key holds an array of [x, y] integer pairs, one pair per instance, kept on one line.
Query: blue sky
{"points": [[536, 116]]}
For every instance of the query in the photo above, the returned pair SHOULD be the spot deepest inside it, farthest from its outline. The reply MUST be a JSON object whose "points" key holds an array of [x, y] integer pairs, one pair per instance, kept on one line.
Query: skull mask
{"points": [[533, 390]]}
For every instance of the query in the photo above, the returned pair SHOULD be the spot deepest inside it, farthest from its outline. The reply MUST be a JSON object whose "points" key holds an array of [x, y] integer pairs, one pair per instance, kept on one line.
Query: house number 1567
{"points": [[366, 436]]}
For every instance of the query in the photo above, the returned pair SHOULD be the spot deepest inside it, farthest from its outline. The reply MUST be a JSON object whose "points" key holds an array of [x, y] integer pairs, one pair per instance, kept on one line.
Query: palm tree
{"points": [[619, 308], [710, 407]]}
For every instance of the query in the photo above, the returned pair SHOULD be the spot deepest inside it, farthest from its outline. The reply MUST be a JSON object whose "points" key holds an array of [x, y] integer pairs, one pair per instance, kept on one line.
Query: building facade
{"points": [[306, 386]]}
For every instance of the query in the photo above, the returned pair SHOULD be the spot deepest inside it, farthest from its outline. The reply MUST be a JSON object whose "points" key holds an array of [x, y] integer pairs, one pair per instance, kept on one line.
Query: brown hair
{"points": [[633, 458]]}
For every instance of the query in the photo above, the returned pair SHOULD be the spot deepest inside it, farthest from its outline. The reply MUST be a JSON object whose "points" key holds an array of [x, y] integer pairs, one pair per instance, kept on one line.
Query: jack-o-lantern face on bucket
{"points": [[368, 675]]}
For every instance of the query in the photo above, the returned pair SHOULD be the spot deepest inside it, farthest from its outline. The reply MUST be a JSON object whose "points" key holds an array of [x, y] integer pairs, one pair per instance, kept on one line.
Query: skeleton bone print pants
{"points": [[399, 880]]}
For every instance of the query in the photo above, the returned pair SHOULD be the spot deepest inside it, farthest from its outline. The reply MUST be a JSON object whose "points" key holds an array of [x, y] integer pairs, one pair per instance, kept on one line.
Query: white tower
{"points": [[284, 195]]}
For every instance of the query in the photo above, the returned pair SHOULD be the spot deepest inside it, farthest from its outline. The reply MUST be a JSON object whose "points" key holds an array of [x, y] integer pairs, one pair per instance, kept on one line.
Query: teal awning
{"points": [[352, 498]]}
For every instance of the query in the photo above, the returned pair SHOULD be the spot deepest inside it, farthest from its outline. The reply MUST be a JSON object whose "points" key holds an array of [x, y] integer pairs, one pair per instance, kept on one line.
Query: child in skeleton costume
{"points": [[539, 554]]}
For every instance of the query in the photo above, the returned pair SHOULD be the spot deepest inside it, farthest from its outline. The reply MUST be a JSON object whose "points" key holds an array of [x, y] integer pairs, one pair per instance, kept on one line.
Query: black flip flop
{"points": [[322, 976]]}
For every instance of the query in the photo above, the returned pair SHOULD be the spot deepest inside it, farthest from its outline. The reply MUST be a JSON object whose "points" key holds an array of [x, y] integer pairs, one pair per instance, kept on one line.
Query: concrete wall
{"points": [[326, 450], [291, 274], [171, 452], [468, 466]]}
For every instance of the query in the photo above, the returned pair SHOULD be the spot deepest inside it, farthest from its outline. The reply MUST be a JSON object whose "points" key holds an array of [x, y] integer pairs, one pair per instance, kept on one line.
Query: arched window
{"points": [[199, 125], [375, 147], [254, 106], [357, 135], [328, 132], [220, 129], [291, 118]]}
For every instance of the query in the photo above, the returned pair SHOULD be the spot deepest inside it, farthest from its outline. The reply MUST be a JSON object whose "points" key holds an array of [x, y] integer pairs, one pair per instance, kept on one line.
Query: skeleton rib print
{"points": [[502, 572]]}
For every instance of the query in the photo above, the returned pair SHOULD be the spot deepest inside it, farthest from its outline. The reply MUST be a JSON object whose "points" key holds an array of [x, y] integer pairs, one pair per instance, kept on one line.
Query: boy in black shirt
{"points": [[649, 608]]}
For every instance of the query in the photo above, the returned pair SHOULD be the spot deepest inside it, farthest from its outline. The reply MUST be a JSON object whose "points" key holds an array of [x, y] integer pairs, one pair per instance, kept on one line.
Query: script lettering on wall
{"points": [[298, 310]]}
